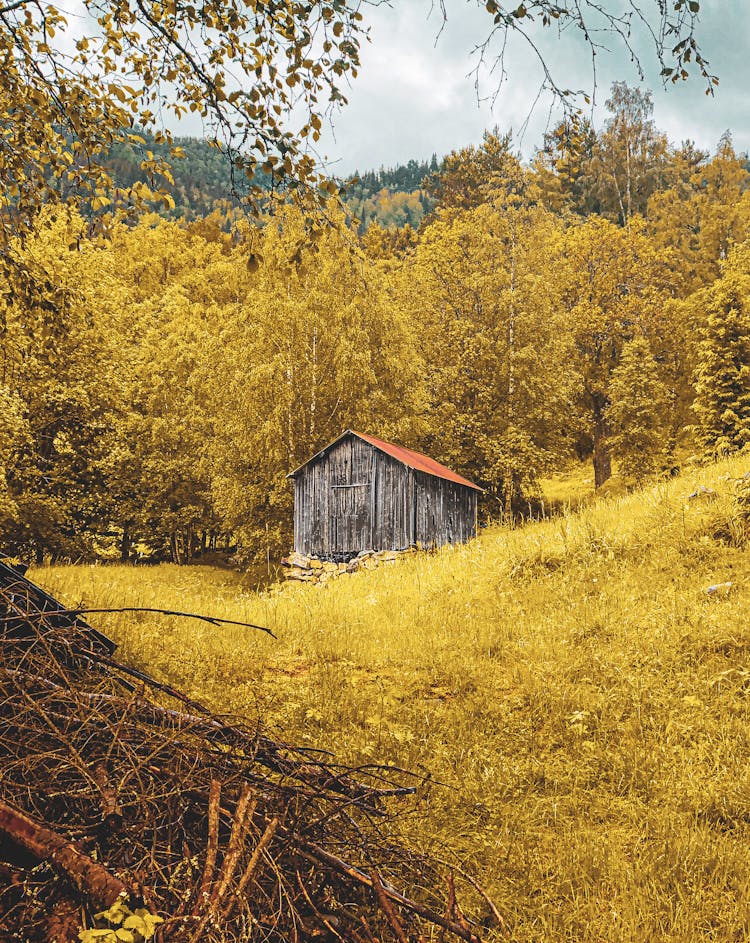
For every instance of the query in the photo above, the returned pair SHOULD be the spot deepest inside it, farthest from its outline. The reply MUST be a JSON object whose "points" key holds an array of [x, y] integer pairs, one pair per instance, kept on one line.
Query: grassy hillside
{"points": [[582, 697]]}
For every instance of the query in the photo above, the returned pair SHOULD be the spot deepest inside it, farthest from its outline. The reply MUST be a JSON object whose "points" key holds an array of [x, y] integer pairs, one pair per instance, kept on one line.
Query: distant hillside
{"points": [[391, 197], [201, 178]]}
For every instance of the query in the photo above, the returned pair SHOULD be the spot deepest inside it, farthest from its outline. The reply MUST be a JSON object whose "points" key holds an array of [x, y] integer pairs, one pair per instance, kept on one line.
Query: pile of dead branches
{"points": [[116, 792]]}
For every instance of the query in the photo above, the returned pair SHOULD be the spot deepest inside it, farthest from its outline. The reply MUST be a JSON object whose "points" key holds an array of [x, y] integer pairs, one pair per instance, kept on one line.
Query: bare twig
{"points": [[212, 620]]}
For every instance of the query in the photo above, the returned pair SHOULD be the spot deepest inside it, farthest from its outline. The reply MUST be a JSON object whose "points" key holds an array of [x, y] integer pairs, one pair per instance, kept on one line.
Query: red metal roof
{"points": [[416, 460], [407, 457]]}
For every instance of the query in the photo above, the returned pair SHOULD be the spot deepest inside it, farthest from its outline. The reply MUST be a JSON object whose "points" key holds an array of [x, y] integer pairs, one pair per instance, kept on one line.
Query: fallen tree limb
{"points": [[315, 853], [92, 880], [212, 620]]}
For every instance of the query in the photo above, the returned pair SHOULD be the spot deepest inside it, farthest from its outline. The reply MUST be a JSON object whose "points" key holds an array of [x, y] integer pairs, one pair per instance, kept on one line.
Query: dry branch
{"points": [[212, 620], [243, 814], [388, 909], [91, 879], [252, 865], [212, 843]]}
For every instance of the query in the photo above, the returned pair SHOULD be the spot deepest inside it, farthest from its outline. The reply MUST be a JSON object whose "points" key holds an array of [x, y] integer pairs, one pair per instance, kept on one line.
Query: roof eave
{"points": [[465, 483]]}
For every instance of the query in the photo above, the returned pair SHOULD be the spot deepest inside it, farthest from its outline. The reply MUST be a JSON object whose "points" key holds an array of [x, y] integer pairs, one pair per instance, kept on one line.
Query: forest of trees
{"points": [[158, 383], [204, 181], [392, 197]]}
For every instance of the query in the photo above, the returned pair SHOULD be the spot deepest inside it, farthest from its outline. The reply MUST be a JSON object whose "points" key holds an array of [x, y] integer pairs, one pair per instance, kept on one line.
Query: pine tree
{"points": [[722, 375], [703, 214], [638, 412]]}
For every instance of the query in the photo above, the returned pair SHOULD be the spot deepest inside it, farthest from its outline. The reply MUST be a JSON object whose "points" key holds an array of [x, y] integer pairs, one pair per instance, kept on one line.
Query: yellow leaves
{"points": [[117, 92], [141, 192], [126, 925], [122, 63], [329, 186]]}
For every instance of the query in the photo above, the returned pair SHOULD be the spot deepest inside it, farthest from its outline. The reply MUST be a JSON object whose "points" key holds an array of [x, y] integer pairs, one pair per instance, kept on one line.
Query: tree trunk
{"points": [[125, 545], [509, 483], [602, 459], [602, 466]]}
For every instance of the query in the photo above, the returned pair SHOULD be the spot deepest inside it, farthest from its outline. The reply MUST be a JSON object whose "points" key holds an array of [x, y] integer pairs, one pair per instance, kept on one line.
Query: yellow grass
{"points": [[584, 701], [568, 489]]}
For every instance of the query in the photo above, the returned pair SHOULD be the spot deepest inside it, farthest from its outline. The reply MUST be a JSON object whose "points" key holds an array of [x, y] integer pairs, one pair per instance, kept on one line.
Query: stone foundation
{"points": [[313, 570]]}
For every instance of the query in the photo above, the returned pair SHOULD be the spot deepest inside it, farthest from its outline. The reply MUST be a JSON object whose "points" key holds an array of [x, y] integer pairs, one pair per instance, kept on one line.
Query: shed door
{"points": [[351, 504]]}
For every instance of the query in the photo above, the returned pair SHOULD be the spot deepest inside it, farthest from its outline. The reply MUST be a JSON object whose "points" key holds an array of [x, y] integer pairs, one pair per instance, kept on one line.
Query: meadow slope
{"points": [[582, 697]]}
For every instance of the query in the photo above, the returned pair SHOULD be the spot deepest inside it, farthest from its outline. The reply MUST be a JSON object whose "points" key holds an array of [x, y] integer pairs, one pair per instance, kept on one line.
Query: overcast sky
{"points": [[415, 95]]}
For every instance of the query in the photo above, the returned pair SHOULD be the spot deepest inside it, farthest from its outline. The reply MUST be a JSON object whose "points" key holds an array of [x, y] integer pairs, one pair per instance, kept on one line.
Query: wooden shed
{"points": [[361, 493]]}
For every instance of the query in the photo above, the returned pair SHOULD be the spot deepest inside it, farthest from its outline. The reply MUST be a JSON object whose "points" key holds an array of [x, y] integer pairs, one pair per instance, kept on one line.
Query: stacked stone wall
{"points": [[303, 569]]}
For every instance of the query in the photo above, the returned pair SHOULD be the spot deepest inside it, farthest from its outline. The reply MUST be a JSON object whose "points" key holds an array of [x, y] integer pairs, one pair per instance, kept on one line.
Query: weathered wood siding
{"points": [[446, 512], [393, 505], [332, 500], [354, 497]]}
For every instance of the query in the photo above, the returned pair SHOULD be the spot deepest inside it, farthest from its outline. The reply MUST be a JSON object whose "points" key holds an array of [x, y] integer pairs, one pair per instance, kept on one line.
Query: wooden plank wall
{"points": [[332, 500], [446, 511], [393, 504], [354, 497]]}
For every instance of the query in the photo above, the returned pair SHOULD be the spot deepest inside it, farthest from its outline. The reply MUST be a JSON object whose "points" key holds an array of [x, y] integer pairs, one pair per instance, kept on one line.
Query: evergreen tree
{"points": [[638, 412], [703, 213], [722, 375], [563, 168], [475, 175]]}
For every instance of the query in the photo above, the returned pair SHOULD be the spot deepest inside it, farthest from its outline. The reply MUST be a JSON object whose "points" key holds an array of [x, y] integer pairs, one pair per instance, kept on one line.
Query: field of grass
{"points": [[583, 699]]}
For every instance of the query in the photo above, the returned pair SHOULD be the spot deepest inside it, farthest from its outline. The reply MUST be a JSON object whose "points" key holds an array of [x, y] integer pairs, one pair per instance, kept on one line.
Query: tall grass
{"points": [[582, 701]]}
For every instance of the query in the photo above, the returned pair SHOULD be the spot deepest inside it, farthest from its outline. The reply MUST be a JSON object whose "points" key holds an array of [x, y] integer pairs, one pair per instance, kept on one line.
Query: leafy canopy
{"points": [[259, 74]]}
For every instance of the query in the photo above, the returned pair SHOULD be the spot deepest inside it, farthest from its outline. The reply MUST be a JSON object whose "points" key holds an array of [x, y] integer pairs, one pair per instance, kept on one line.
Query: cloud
{"points": [[415, 94]]}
